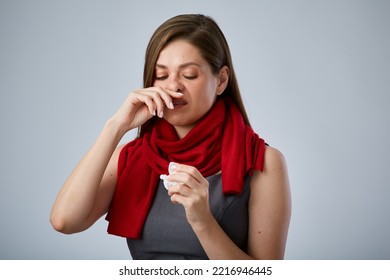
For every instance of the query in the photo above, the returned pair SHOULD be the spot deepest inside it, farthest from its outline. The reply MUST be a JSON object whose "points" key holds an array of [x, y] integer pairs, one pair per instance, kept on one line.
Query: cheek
{"points": [[209, 93], [157, 83]]}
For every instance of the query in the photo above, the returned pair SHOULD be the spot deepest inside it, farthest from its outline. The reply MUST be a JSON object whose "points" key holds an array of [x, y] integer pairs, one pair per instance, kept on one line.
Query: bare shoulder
{"points": [[274, 166], [273, 159]]}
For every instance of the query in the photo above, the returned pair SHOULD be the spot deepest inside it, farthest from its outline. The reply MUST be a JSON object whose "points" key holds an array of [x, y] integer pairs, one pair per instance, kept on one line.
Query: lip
{"points": [[179, 102]]}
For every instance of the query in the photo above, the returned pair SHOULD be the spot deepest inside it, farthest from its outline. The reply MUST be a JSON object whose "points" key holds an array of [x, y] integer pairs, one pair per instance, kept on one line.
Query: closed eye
{"points": [[161, 78], [190, 77]]}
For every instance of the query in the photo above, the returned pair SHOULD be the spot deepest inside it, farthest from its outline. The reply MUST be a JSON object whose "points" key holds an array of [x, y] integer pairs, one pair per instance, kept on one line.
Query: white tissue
{"points": [[171, 170], [167, 184]]}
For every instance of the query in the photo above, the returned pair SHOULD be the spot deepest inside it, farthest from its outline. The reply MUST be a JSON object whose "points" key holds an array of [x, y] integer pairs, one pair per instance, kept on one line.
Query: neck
{"points": [[182, 131]]}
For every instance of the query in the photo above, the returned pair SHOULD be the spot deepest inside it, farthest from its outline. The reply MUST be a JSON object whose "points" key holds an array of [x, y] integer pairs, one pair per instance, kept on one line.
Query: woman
{"points": [[227, 192]]}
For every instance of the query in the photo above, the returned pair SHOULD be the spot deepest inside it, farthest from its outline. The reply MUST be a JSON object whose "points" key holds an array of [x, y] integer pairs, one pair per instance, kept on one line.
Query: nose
{"points": [[174, 84]]}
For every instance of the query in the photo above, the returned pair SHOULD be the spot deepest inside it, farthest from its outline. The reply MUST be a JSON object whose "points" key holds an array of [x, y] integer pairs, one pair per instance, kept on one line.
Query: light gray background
{"points": [[315, 77]]}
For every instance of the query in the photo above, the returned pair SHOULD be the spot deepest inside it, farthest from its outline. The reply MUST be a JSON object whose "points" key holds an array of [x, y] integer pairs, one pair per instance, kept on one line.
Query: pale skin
{"points": [[183, 91]]}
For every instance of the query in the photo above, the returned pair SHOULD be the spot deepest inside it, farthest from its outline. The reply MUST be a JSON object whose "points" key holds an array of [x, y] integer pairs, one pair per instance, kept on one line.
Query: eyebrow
{"points": [[181, 66]]}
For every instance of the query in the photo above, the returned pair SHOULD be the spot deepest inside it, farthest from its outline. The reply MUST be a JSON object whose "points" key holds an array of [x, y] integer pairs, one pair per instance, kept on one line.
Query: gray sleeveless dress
{"points": [[167, 234]]}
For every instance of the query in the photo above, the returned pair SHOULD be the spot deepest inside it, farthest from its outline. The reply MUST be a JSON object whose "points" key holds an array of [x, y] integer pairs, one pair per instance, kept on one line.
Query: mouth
{"points": [[179, 102]]}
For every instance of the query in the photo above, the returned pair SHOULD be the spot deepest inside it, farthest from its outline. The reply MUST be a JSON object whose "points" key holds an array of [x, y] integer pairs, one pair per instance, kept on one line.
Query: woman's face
{"points": [[180, 67]]}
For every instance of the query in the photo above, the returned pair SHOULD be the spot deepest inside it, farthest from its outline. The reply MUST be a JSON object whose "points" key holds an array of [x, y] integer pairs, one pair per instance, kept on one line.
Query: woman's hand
{"points": [[142, 104], [189, 188]]}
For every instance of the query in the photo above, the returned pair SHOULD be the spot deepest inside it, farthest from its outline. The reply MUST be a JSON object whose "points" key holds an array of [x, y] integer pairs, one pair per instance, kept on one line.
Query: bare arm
{"points": [[86, 194], [269, 208]]}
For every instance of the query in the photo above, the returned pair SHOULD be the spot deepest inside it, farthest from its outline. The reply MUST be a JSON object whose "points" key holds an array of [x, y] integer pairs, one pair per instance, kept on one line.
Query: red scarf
{"points": [[220, 141]]}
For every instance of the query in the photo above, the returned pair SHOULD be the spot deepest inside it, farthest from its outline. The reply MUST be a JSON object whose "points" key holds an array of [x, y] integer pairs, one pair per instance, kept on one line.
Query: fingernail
{"points": [[154, 112], [171, 106], [161, 114], [172, 167]]}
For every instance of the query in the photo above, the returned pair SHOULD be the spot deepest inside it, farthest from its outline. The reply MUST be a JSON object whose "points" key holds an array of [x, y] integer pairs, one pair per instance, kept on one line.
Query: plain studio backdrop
{"points": [[314, 75]]}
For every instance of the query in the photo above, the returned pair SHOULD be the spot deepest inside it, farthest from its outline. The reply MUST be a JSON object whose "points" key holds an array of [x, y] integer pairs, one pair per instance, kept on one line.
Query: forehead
{"points": [[180, 52]]}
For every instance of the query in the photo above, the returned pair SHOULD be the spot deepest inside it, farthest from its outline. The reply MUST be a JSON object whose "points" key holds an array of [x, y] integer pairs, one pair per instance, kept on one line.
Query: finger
{"points": [[163, 98], [160, 97], [139, 97], [166, 97], [155, 95], [186, 169], [173, 94], [181, 189], [179, 199], [183, 179]]}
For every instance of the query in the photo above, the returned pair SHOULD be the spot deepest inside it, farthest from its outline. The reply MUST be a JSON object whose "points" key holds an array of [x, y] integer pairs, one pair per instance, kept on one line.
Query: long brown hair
{"points": [[204, 33]]}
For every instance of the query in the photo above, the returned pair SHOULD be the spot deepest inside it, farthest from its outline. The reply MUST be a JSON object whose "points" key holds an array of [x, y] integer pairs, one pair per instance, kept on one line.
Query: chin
{"points": [[180, 120]]}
